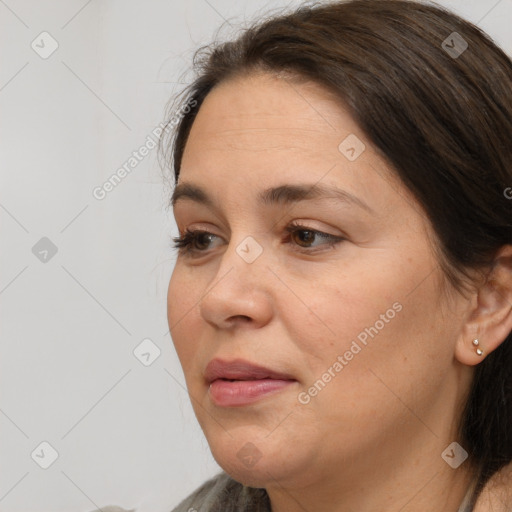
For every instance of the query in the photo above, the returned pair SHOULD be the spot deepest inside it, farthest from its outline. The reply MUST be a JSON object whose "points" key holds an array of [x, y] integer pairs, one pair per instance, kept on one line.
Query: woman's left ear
{"points": [[490, 320]]}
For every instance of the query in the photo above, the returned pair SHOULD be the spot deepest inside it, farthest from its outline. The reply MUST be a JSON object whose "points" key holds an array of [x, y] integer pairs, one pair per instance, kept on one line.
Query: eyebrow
{"points": [[283, 194]]}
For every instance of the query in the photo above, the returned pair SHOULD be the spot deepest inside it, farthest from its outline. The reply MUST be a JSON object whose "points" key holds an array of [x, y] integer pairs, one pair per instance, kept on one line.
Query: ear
{"points": [[490, 315]]}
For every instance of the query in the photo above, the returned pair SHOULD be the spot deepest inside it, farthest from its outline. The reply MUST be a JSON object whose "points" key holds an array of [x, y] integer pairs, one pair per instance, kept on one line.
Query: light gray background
{"points": [[125, 433]]}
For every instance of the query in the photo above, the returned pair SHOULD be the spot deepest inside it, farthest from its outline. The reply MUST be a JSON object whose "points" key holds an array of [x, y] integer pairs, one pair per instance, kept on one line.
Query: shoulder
{"points": [[496, 496], [223, 494]]}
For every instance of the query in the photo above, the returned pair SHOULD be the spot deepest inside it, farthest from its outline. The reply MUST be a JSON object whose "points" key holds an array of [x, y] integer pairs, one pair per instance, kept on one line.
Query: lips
{"points": [[240, 370], [237, 383]]}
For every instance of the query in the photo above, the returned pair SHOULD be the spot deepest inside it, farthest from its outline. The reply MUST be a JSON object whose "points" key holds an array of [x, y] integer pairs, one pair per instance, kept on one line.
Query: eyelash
{"points": [[184, 244]]}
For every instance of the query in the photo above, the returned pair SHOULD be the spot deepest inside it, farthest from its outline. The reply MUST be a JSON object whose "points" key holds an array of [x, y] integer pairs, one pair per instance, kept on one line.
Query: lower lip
{"points": [[225, 393]]}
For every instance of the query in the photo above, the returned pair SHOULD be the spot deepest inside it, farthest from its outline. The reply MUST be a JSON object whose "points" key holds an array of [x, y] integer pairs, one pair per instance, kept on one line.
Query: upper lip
{"points": [[239, 369]]}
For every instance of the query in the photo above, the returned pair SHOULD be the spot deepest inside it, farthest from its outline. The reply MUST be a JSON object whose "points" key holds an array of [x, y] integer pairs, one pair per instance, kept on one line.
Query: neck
{"points": [[400, 469], [406, 474], [429, 489]]}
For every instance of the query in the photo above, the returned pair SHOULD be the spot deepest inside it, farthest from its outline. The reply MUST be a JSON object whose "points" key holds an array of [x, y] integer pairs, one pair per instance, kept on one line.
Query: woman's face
{"points": [[345, 313]]}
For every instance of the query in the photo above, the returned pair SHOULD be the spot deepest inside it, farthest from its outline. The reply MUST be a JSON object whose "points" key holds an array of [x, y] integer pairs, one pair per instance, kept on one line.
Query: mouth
{"points": [[238, 383]]}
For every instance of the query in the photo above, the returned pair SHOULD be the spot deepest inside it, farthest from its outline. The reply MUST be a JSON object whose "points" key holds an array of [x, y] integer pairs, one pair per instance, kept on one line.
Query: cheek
{"points": [[182, 315], [340, 308], [383, 322], [394, 348]]}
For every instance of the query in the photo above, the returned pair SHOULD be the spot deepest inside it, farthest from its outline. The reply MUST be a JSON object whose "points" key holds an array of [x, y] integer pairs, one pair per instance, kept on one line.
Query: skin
{"points": [[497, 493], [371, 440]]}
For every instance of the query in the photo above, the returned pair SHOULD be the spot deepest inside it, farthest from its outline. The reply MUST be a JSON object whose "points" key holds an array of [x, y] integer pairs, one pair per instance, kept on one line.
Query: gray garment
{"points": [[223, 494], [466, 506], [112, 508], [219, 494]]}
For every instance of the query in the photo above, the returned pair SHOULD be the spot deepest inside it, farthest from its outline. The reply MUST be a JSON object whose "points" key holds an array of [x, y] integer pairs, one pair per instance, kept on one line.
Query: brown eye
{"points": [[307, 240], [303, 237], [193, 242], [202, 240]]}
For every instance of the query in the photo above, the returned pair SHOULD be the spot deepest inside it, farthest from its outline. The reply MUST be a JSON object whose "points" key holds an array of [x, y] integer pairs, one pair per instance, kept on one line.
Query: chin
{"points": [[259, 475], [258, 460]]}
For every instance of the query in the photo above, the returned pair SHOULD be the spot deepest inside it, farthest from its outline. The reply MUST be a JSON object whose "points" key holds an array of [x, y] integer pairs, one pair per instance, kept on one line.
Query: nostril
{"points": [[243, 318]]}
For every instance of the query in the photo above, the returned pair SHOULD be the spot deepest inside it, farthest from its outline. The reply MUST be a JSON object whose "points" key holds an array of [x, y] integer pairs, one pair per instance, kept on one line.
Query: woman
{"points": [[341, 303]]}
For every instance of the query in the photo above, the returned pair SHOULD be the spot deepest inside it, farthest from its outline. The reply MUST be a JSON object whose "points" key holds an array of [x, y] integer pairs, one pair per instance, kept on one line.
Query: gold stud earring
{"points": [[476, 343]]}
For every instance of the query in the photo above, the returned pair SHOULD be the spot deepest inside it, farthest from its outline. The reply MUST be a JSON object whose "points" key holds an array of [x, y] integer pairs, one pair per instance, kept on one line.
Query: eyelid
{"points": [[184, 243], [298, 224]]}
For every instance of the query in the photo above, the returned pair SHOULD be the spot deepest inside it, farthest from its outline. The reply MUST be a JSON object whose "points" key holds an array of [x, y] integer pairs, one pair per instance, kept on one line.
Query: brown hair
{"points": [[440, 115]]}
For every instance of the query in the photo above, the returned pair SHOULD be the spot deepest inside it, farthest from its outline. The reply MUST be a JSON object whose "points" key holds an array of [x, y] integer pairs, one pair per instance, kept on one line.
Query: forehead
{"points": [[259, 130], [266, 117], [259, 104]]}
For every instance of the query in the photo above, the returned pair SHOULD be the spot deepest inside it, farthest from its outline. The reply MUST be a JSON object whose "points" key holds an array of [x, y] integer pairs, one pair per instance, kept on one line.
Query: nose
{"points": [[239, 294]]}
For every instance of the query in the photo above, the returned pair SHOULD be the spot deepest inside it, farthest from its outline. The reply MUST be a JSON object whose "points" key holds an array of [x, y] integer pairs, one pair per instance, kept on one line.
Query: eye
{"points": [[193, 241], [304, 236], [301, 238]]}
